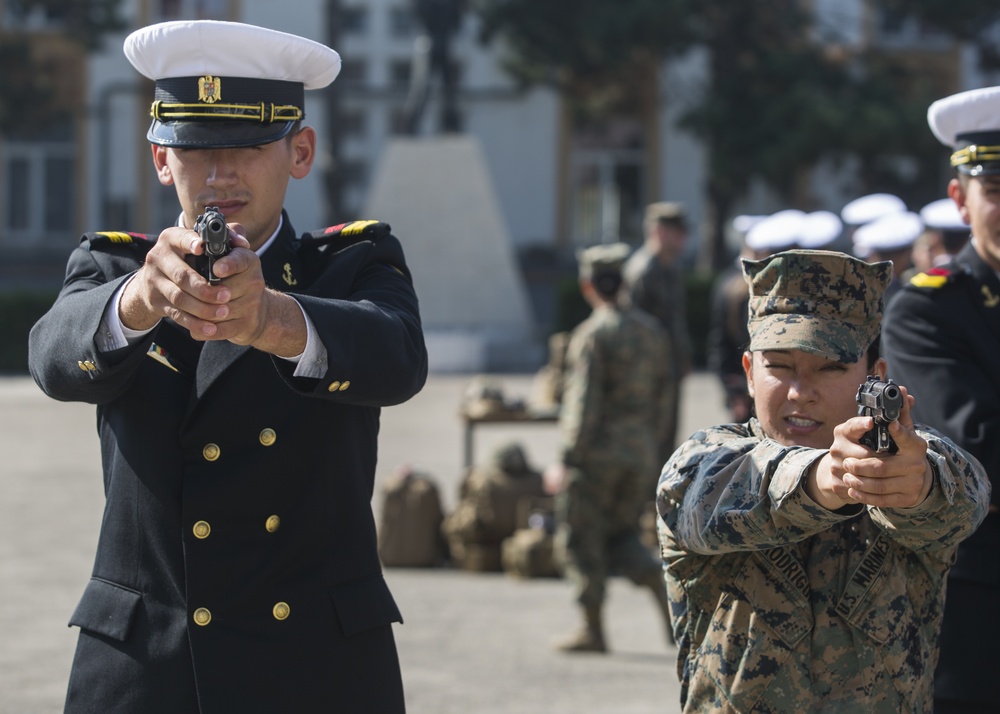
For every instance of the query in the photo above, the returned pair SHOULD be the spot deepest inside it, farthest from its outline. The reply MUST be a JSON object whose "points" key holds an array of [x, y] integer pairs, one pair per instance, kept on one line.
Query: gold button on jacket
{"points": [[202, 529], [281, 611], [273, 523], [202, 616], [268, 437], [211, 452]]}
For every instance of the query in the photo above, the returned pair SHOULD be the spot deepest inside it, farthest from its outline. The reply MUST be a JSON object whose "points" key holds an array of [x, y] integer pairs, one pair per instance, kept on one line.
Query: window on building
{"points": [[608, 181], [353, 71], [354, 172], [354, 20], [402, 22], [398, 120], [353, 122], [399, 72], [17, 16], [194, 9], [39, 199]]}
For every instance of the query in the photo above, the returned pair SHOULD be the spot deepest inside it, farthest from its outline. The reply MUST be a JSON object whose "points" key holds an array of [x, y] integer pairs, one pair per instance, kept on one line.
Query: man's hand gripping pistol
{"points": [[211, 226], [882, 401]]}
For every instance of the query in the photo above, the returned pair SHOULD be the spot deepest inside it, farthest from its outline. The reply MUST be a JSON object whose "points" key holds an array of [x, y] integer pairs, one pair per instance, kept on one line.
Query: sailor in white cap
{"points": [[778, 231], [941, 333], [237, 567], [944, 236], [890, 237], [866, 209], [820, 229]]}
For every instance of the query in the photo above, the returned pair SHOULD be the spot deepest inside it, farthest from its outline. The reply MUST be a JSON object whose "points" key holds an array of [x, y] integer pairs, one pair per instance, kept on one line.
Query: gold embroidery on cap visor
{"points": [[975, 155], [265, 113]]}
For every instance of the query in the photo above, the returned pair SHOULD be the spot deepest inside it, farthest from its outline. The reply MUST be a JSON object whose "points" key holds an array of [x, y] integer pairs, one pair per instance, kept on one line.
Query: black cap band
{"points": [[219, 112], [211, 91]]}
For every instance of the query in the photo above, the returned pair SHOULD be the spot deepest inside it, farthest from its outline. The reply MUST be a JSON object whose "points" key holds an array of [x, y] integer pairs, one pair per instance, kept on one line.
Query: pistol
{"points": [[882, 401], [211, 226]]}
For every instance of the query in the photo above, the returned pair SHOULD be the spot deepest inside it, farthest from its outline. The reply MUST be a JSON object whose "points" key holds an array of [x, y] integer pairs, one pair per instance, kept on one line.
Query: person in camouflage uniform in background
{"points": [[806, 572], [616, 383], [654, 284]]}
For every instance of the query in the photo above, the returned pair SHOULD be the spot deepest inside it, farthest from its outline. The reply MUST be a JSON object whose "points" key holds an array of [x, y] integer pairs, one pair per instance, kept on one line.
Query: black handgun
{"points": [[882, 401], [211, 226]]}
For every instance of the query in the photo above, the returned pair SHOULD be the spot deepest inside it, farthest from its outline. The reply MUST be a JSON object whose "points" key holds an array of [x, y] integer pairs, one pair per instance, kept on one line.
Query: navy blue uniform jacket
{"points": [[942, 340], [237, 568]]}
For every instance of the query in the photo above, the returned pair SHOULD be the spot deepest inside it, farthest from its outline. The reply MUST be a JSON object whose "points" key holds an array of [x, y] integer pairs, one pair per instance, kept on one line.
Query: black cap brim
{"points": [[215, 134]]}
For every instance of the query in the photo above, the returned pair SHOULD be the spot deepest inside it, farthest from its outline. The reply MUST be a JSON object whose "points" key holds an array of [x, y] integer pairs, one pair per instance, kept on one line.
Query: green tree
{"points": [[779, 98]]}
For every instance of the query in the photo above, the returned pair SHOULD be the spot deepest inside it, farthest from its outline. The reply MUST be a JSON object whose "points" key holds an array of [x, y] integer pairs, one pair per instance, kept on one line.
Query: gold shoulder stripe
{"points": [[923, 280], [117, 237], [356, 227]]}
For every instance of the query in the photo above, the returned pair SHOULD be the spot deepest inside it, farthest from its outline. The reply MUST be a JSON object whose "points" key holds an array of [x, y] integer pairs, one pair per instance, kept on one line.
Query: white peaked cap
{"points": [[190, 48], [943, 215], [891, 232], [819, 229], [776, 232], [867, 208]]}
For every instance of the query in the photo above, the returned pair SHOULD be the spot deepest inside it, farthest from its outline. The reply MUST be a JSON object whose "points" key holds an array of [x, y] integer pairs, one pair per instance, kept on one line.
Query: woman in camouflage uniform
{"points": [[806, 572]]}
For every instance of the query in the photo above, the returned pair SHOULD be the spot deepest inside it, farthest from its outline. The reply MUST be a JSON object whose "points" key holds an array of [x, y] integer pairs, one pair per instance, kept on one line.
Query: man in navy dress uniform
{"points": [[942, 336], [237, 568]]}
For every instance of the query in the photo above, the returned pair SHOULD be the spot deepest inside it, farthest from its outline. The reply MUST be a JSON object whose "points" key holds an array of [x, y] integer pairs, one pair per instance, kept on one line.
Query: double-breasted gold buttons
{"points": [[202, 616], [336, 386], [211, 452], [268, 437], [272, 524], [281, 611], [201, 530]]}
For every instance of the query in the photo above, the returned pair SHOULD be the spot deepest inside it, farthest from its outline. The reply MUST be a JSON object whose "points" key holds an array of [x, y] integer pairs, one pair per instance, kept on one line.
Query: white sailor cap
{"points": [[969, 123], [776, 232], [743, 223], [943, 215], [820, 229], [226, 84], [867, 208], [888, 233]]}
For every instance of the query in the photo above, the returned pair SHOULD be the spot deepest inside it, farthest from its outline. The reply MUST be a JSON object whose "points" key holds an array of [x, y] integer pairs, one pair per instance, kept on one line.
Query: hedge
{"points": [[18, 312]]}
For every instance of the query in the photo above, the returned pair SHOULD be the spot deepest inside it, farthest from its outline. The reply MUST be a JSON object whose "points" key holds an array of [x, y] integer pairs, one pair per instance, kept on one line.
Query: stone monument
{"points": [[436, 192]]}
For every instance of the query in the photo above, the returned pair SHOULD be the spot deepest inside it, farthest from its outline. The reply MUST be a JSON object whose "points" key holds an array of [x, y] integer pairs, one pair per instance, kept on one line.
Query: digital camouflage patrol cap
{"points": [[226, 84], [818, 301]]}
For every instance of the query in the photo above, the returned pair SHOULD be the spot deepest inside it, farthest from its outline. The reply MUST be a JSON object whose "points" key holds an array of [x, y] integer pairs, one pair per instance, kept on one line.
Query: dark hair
{"points": [[874, 351], [606, 283], [678, 222]]}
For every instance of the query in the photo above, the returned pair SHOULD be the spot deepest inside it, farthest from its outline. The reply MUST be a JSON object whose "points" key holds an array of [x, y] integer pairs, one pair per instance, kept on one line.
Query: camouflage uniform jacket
{"points": [[658, 290], [780, 605], [616, 383]]}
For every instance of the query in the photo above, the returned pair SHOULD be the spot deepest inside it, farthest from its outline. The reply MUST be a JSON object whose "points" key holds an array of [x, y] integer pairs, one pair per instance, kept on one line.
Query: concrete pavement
{"points": [[471, 643]]}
